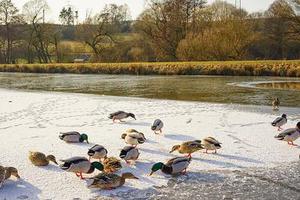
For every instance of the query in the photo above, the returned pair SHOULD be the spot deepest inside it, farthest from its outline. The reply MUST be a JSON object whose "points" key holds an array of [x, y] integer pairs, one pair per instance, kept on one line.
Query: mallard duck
{"points": [[173, 167], [276, 103], [73, 137], [2, 175], [211, 143], [111, 164], [133, 137], [40, 159], [157, 126], [280, 121], [188, 147], [129, 153], [290, 135], [6, 173], [120, 115], [107, 181], [97, 152], [80, 165]]}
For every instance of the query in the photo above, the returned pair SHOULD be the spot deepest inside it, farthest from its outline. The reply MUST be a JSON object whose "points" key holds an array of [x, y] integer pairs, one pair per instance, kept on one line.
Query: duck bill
{"points": [[18, 176], [151, 173]]}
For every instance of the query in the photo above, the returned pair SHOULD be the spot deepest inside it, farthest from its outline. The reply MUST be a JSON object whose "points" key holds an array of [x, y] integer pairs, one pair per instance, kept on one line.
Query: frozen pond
{"points": [[220, 89]]}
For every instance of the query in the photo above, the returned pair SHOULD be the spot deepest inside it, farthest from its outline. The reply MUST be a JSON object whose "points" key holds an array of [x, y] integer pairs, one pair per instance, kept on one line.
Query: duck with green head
{"points": [[80, 165], [174, 166], [73, 137]]}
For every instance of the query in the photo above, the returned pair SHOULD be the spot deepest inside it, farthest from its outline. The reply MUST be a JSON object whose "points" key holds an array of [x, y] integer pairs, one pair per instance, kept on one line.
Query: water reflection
{"points": [[191, 88], [280, 85]]}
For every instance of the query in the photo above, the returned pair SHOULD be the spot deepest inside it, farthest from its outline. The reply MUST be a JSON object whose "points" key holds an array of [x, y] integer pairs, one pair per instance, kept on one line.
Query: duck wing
{"points": [[74, 160], [287, 132], [193, 144], [177, 160], [116, 114], [37, 155], [105, 178], [132, 131], [278, 120], [129, 152], [64, 134], [136, 135], [212, 140], [178, 164], [97, 148], [157, 124], [125, 151]]}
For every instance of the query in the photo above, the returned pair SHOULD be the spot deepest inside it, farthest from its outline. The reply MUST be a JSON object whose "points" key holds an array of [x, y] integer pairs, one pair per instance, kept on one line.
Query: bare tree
{"points": [[98, 31], [67, 16], [9, 16], [166, 23], [34, 12]]}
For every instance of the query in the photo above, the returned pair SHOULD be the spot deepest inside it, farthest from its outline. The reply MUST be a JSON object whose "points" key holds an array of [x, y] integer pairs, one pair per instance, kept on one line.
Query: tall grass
{"points": [[234, 68]]}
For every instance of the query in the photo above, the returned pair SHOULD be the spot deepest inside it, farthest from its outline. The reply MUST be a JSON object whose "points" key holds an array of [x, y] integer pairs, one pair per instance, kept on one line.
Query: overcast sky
{"points": [[136, 6]]}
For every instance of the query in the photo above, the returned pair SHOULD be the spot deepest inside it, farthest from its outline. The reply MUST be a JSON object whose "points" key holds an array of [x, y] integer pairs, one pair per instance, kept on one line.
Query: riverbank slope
{"points": [[288, 68]]}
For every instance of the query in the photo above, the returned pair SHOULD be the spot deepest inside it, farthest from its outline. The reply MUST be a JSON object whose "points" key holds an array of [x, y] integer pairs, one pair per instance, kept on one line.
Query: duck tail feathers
{"points": [[278, 137], [123, 154], [91, 152]]}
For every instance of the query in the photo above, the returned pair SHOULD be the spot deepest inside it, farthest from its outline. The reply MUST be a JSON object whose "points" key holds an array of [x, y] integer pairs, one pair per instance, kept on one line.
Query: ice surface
{"points": [[33, 120]]}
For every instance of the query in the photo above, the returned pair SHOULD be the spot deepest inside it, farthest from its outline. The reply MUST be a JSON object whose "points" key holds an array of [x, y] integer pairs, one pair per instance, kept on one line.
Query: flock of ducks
{"points": [[288, 135], [98, 156], [98, 159]]}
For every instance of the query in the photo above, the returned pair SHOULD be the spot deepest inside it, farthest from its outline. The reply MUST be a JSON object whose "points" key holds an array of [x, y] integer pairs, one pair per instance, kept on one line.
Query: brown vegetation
{"points": [[231, 68]]}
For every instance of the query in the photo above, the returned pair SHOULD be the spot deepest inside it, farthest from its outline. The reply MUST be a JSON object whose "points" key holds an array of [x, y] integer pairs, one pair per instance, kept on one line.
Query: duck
{"points": [[73, 137], [276, 103], [290, 135], [188, 147], [97, 152], [129, 153], [133, 137], [2, 175], [106, 181], [111, 164], [157, 126], [80, 165], [280, 121], [40, 159], [174, 166], [119, 115], [6, 173], [211, 143]]}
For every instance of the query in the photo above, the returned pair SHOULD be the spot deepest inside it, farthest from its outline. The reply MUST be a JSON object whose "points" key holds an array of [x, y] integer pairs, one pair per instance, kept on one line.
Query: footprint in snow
{"points": [[189, 121]]}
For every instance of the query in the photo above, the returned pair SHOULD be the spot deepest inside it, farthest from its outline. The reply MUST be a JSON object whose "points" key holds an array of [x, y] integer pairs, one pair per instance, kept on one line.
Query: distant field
{"points": [[289, 68]]}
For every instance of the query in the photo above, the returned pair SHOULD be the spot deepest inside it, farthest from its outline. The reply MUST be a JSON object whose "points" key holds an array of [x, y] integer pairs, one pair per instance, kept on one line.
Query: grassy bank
{"points": [[238, 68]]}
